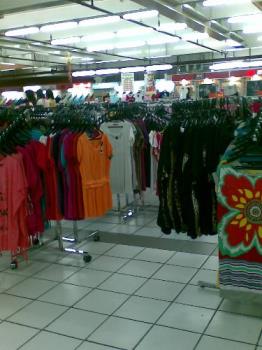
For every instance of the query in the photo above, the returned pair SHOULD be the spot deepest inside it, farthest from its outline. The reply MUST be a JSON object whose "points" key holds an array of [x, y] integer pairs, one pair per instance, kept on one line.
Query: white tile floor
{"points": [[127, 298]]}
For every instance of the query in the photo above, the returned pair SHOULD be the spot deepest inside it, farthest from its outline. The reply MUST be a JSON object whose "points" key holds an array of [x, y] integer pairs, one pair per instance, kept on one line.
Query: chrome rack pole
{"points": [[72, 250]]}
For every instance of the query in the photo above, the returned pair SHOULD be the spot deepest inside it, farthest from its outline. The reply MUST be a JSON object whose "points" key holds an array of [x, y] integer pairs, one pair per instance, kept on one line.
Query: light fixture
{"points": [[255, 77], [99, 21], [22, 31], [133, 32], [84, 73], [253, 28], [129, 44], [107, 71], [66, 41], [130, 53], [159, 67], [132, 69], [172, 26], [235, 64], [212, 3], [87, 59], [102, 47], [141, 15], [7, 70], [58, 26], [246, 19], [195, 36], [207, 81], [184, 82], [163, 40], [230, 42], [232, 80], [98, 37], [7, 64]]}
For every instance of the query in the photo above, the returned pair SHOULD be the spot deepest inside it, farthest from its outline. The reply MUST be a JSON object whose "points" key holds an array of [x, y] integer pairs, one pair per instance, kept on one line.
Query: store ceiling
{"points": [[175, 30]]}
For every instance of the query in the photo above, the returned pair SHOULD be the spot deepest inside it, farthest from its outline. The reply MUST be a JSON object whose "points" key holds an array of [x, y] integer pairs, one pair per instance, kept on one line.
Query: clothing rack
{"points": [[18, 133]]}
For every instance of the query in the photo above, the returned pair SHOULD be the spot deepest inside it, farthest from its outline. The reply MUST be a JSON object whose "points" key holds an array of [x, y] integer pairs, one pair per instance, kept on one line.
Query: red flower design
{"points": [[246, 198]]}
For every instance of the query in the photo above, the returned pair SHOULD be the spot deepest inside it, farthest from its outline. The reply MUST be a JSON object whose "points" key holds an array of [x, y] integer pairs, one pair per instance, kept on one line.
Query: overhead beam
{"points": [[165, 11], [35, 6]]}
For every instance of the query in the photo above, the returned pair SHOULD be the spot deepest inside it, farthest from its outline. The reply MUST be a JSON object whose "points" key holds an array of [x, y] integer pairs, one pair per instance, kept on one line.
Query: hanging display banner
{"points": [[150, 84], [127, 81]]}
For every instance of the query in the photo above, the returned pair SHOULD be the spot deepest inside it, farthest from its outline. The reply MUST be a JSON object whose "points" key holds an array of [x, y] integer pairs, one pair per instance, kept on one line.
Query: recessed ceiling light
{"points": [[22, 31]]}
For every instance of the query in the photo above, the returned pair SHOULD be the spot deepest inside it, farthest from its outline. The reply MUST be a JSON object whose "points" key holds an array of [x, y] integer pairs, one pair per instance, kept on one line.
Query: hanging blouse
{"points": [[94, 156], [121, 137]]}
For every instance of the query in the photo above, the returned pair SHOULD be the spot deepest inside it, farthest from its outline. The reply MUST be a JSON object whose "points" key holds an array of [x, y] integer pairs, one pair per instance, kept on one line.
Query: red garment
{"points": [[51, 186], [35, 189], [13, 199]]}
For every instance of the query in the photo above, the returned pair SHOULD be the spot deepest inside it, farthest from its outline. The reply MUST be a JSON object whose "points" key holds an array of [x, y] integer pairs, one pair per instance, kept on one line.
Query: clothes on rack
{"points": [[13, 204], [128, 128], [66, 175], [190, 151]]}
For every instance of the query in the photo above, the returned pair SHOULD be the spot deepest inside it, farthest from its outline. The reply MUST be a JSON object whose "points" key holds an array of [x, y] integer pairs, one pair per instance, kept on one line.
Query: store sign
{"points": [[127, 81], [150, 84]]}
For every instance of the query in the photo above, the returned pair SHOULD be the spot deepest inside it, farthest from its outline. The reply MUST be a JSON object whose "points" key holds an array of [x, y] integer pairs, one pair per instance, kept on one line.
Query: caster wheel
{"points": [[87, 258], [96, 239], [36, 242], [13, 265]]}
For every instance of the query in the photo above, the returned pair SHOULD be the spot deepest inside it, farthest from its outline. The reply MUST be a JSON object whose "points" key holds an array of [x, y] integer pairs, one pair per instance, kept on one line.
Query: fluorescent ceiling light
{"points": [[195, 36], [235, 64], [230, 42], [84, 73], [130, 44], [36, 43], [7, 70], [246, 19], [132, 69], [104, 47], [159, 67], [97, 37], [87, 59], [159, 56], [58, 26], [66, 41], [99, 21], [172, 26], [225, 2], [107, 71], [7, 64], [130, 53], [133, 32], [165, 40], [254, 28], [141, 14], [22, 31]]}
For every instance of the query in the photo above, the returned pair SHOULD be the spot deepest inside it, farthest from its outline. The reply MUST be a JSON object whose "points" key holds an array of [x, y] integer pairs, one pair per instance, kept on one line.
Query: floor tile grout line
{"points": [[171, 303], [208, 324]]}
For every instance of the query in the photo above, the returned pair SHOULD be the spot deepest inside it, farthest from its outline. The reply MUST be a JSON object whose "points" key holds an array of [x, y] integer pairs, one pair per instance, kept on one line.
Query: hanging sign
{"points": [[150, 84], [127, 81]]}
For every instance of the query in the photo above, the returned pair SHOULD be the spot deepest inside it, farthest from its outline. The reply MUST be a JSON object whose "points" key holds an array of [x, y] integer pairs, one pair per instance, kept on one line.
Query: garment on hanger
{"points": [[13, 204], [121, 136], [94, 156]]}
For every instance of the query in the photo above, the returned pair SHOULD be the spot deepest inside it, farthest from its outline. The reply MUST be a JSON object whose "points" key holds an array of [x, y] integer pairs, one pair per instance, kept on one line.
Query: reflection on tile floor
{"points": [[130, 297]]}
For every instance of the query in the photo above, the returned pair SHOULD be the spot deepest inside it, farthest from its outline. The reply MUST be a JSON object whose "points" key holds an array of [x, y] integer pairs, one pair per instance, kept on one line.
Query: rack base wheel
{"points": [[96, 238], [36, 242], [14, 265], [87, 258]]}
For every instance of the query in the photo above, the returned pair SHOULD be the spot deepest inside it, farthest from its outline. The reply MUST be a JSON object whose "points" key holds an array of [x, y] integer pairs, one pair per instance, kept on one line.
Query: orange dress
{"points": [[94, 163]]}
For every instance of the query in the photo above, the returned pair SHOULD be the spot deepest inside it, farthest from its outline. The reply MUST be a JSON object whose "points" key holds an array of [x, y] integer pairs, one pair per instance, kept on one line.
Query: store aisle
{"points": [[128, 297]]}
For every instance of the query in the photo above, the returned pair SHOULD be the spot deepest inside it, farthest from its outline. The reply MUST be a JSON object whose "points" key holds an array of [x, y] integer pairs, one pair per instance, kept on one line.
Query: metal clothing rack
{"points": [[72, 238], [18, 124]]}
